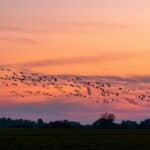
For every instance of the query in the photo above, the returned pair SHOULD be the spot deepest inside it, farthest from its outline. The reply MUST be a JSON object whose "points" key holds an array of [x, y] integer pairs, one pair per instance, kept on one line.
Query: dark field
{"points": [[74, 139]]}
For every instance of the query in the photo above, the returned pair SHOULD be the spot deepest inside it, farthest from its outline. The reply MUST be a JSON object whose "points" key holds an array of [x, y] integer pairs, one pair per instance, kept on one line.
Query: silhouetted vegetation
{"points": [[104, 133], [129, 124], [106, 121]]}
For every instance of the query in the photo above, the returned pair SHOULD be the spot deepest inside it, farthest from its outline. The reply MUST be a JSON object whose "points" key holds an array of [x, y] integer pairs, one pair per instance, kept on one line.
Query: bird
{"points": [[37, 84]]}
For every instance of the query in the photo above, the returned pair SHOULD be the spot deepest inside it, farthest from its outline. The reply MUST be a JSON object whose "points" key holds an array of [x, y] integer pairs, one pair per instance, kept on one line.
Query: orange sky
{"points": [[117, 32]]}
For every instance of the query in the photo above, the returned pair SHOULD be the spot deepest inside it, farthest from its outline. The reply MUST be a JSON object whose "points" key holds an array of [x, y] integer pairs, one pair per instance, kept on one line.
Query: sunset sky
{"points": [[77, 37]]}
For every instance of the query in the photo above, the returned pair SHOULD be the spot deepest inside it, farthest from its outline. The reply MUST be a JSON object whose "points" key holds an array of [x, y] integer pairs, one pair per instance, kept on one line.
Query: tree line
{"points": [[106, 121]]}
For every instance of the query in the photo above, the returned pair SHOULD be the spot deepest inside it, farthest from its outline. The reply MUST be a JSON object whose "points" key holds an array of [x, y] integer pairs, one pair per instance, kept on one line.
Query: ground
{"points": [[74, 139]]}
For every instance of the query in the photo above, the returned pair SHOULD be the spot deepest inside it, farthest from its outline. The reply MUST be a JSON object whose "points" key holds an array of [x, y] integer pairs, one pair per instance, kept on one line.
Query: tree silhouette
{"points": [[106, 121], [40, 123], [129, 124], [145, 124]]}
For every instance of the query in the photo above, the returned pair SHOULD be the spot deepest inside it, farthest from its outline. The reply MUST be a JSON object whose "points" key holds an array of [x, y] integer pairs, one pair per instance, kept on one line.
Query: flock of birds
{"points": [[25, 84]]}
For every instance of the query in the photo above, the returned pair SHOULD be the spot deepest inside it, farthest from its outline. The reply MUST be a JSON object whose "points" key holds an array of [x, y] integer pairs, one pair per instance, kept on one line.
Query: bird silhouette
{"points": [[24, 84]]}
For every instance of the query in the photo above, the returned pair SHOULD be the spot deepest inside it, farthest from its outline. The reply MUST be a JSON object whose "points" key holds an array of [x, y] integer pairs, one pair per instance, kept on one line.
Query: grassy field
{"points": [[74, 139]]}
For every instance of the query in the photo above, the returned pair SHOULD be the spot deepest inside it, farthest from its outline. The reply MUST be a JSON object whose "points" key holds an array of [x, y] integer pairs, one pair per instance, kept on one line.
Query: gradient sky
{"points": [[116, 31], [94, 37]]}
